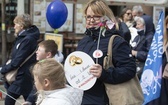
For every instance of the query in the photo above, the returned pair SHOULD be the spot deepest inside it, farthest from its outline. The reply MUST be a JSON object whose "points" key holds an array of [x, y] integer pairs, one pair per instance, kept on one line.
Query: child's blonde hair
{"points": [[52, 70]]}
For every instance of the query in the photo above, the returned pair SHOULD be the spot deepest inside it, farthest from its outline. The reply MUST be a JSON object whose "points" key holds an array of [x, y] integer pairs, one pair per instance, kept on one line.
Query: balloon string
{"points": [[10, 96]]}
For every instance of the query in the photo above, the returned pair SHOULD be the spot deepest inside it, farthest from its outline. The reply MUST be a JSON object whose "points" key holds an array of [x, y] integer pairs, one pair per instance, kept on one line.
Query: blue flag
{"points": [[152, 72]]}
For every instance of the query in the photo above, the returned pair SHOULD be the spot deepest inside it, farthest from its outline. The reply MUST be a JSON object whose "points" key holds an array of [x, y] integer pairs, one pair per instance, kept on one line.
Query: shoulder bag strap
{"points": [[109, 53], [28, 58]]}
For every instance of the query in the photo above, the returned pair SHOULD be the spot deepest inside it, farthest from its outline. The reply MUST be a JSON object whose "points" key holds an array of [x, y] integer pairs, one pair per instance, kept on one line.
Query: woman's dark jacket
{"points": [[125, 68], [25, 45], [125, 31], [143, 40]]}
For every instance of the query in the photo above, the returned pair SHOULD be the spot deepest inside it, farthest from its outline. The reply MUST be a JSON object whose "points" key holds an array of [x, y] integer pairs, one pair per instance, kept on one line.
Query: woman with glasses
{"points": [[126, 16], [100, 26]]}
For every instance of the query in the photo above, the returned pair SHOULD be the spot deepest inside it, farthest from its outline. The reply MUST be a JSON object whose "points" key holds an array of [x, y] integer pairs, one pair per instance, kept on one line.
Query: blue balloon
{"points": [[56, 14]]}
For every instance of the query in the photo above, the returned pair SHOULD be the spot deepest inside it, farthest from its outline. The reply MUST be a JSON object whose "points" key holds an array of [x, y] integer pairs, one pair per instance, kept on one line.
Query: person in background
{"points": [[46, 49], [49, 49], [125, 31], [163, 99], [25, 44], [51, 85], [137, 11], [126, 17], [142, 42], [124, 64]]}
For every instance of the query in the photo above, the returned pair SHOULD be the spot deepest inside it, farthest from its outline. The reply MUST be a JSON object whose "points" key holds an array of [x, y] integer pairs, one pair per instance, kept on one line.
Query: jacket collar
{"points": [[94, 33]]}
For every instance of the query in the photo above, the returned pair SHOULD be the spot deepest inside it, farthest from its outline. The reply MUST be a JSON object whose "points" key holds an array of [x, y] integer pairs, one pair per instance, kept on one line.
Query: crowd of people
{"points": [[41, 79]]}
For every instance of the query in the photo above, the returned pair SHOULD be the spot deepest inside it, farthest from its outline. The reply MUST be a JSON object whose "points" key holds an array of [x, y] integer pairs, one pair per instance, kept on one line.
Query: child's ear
{"points": [[49, 55], [46, 84]]}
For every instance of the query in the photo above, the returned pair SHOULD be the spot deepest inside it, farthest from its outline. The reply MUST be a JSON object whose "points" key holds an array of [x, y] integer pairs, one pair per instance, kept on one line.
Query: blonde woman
{"points": [[51, 85], [96, 40]]}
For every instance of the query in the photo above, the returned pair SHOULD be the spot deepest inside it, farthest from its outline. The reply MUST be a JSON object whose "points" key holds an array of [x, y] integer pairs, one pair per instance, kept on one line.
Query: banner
{"points": [[152, 73]]}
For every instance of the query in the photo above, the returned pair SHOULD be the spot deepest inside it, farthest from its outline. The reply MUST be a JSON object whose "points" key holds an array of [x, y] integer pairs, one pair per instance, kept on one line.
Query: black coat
{"points": [[144, 39], [125, 68], [25, 44], [125, 31]]}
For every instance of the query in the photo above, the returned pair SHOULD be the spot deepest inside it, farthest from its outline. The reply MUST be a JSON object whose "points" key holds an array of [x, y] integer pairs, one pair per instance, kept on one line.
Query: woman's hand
{"points": [[134, 53], [96, 70]]}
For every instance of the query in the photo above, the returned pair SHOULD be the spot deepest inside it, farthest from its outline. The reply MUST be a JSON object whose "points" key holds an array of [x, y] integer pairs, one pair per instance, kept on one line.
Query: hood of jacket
{"points": [[149, 26], [33, 31]]}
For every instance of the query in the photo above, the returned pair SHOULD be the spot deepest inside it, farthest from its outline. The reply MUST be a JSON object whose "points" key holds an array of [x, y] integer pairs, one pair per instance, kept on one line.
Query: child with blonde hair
{"points": [[46, 49], [51, 85]]}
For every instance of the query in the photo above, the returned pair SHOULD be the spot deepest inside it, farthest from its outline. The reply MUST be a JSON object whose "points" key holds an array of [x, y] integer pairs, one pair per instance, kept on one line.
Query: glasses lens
{"points": [[96, 17], [128, 13], [88, 17], [92, 17]]}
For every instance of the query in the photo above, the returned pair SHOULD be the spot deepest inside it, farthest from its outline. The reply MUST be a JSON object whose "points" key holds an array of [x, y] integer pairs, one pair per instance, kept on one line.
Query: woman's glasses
{"points": [[88, 18], [129, 13]]}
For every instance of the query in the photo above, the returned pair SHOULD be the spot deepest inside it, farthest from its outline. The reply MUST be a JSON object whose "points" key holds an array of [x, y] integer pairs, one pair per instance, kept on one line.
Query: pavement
{"points": [[2, 97]]}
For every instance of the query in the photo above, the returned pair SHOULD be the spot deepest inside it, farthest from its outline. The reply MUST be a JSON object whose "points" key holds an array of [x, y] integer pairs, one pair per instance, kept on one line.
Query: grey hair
{"points": [[140, 19], [137, 8], [137, 18]]}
